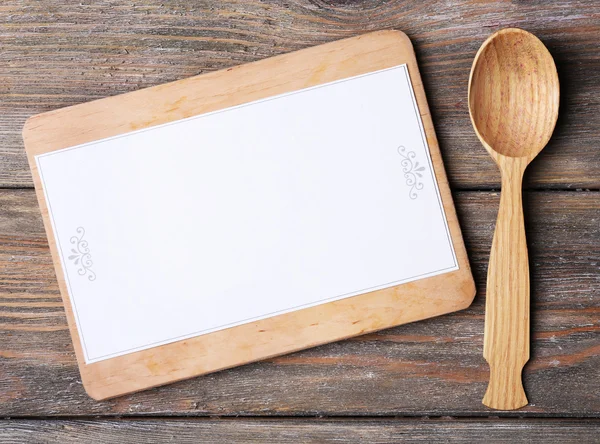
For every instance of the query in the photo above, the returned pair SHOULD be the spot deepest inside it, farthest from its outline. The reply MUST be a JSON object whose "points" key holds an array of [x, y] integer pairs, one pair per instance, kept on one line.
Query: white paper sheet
{"points": [[241, 214]]}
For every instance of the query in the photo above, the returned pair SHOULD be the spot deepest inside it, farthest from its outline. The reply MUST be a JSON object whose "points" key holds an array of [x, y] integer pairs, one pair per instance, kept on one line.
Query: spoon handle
{"points": [[506, 341]]}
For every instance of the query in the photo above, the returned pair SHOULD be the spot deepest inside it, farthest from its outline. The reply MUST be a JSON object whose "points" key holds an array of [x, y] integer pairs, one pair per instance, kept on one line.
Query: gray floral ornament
{"points": [[81, 256], [413, 171]]}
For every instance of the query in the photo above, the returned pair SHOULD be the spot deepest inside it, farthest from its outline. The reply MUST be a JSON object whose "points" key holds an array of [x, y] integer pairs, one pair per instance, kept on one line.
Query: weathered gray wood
{"points": [[56, 53], [279, 431], [434, 367]]}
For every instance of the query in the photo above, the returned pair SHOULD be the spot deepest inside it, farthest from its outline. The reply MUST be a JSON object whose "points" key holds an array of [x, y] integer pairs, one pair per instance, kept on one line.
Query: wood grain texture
{"points": [[277, 431], [507, 309], [434, 367], [56, 54], [513, 104]]}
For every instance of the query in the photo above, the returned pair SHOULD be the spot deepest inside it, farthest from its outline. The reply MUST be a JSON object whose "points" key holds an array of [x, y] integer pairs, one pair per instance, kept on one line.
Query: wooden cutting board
{"points": [[262, 336]]}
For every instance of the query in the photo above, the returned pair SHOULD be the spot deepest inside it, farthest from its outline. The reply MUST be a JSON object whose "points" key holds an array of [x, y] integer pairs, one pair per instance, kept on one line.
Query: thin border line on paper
{"points": [[267, 315]]}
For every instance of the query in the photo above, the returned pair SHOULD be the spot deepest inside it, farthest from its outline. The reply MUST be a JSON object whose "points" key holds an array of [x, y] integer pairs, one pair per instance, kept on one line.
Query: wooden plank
{"points": [[433, 367], [54, 55], [281, 431]]}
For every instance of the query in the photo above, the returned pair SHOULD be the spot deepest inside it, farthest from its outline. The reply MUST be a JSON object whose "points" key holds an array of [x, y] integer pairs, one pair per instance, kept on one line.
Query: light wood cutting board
{"points": [[281, 333]]}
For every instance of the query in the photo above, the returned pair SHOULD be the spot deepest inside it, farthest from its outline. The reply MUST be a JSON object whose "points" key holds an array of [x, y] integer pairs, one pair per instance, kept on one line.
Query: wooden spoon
{"points": [[513, 103]]}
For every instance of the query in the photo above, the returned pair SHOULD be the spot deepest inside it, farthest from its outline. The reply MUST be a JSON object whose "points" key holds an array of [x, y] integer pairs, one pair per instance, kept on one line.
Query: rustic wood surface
{"points": [[433, 367], [265, 431], [54, 54]]}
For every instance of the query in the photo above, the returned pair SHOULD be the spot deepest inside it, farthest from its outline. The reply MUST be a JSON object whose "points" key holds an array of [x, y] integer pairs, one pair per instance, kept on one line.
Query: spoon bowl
{"points": [[513, 104], [514, 94]]}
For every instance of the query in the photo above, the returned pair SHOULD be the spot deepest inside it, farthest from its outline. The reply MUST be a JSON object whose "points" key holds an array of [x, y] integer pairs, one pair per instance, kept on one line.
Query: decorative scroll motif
{"points": [[81, 256], [412, 171]]}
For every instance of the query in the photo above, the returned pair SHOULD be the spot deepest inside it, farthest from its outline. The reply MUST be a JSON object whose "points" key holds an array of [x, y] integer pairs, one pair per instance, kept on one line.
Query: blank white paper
{"points": [[245, 213]]}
